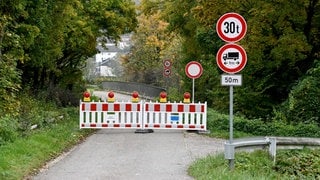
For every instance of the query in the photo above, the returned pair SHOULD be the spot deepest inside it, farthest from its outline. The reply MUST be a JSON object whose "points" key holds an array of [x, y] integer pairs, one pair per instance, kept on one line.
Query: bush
{"points": [[61, 97], [259, 127], [8, 129], [304, 100], [299, 164], [36, 112]]}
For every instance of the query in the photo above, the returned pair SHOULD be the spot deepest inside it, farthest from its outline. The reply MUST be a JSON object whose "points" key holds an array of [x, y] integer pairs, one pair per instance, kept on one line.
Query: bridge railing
{"points": [[143, 89]]}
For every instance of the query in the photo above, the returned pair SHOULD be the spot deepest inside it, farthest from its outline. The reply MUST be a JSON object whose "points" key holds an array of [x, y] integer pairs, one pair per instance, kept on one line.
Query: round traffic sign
{"points": [[167, 63], [193, 69], [231, 27], [167, 72], [231, 58]]}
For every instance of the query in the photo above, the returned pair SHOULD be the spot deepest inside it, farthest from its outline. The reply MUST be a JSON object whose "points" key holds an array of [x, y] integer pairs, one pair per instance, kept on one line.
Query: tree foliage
{"points": [[282, 44], [152, 44], [44, 44]]}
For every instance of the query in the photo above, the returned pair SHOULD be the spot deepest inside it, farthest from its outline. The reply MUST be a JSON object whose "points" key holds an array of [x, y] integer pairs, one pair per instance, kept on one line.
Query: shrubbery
{"points": [[258, 127], [294, 164], [8, 129], [32, 114], [299, 164], [304, 100]]}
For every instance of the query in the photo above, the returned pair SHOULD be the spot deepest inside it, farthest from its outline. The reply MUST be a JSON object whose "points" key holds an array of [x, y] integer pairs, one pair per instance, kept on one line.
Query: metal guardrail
{"points": [[143, 89], [272, 143]]}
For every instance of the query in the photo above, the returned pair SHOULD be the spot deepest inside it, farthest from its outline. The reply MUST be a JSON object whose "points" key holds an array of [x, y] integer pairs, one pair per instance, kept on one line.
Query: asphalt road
{"points": [[117, 96], [122, 154]]}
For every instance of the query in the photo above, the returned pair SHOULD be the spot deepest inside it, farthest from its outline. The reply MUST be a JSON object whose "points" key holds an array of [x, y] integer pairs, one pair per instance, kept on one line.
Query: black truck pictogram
{"points": [[231, 55]]}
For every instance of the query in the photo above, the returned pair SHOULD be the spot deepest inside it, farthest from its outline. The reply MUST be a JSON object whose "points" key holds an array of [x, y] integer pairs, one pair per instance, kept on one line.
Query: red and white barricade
{"points": [[110, 115], [143, 115], [175, 116]]}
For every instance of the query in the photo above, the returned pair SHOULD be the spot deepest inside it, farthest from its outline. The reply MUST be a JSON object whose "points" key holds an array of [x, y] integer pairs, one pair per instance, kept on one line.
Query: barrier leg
{"points": [[142, 118]]}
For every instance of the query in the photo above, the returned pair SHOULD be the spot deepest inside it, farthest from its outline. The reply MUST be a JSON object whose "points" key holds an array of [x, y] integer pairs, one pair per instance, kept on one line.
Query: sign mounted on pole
{"points": [[193, 70], [167, 72], [167, 67], [231, 58], [231, 79], [167, 63], [231, 27]]}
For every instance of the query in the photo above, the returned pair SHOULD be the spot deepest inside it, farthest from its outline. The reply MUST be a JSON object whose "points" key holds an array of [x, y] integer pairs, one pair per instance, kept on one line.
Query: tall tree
{"points": [[150, 47], [68, 34], [15, 36], [282, 44], [45, 43]]}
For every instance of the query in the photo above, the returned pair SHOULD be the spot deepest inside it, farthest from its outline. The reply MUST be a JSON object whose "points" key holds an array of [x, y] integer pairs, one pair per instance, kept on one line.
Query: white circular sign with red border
{"points": [[193, 69], [167, 63], [231, 27], [167, 72], [231, 58]]}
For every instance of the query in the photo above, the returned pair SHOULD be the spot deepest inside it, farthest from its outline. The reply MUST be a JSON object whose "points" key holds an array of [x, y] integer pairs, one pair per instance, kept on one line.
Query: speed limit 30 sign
{"points": [[231, 27]]}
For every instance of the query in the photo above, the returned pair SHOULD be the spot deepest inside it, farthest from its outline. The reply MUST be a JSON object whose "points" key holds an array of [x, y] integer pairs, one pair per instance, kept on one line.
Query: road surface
{"points": [[118, 96], [122, 154]]}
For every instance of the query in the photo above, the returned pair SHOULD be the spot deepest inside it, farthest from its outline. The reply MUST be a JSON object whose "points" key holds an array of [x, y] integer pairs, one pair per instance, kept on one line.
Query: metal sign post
{"points": [[193, 70], [231, 58], [192, 90], [231, 161]]}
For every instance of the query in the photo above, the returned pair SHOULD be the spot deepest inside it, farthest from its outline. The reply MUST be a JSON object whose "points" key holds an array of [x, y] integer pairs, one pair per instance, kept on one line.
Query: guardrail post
{"points": [[273, 148], [229, 153]]}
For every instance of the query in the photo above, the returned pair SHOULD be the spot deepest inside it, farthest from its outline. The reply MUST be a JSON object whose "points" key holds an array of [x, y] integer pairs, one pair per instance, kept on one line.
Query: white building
{"points": [[111, 52]]}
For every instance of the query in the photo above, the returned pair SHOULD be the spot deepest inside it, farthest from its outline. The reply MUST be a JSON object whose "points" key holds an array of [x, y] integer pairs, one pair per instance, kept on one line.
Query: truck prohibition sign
{"points": [[231, 58]]}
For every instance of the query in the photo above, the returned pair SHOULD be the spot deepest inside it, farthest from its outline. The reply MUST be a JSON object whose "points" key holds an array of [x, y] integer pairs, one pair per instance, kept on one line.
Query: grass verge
{"points": [[26, 155], [216, 167], [290, 164]]}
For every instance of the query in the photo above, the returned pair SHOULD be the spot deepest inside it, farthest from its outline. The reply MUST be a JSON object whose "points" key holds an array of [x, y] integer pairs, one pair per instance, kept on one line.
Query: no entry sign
{"points": [[231, 58], [193, 70], [231, 27]]}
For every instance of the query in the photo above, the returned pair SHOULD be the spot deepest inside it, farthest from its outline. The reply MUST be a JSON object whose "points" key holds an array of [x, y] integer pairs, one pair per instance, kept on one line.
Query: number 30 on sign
{"points": [[231, 27]]}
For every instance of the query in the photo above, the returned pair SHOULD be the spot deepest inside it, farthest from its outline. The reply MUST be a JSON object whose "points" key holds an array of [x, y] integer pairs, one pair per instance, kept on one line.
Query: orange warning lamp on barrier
{"points": [[135, 97], [110, 97], [163, 97], [86, 96], [186, 97]]}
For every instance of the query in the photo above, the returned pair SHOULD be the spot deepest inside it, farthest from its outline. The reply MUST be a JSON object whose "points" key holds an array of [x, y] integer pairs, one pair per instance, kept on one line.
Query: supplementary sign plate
{"points": [[231, 79]]}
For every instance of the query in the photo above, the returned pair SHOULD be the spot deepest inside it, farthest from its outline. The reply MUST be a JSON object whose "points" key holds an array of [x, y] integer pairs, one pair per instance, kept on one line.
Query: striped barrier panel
{"points": [[110, 115], [143, 115], [175, 116]]}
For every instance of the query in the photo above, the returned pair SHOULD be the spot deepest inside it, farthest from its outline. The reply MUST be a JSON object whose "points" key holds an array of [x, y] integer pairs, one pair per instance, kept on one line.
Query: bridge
{"points": [[144, 90]]}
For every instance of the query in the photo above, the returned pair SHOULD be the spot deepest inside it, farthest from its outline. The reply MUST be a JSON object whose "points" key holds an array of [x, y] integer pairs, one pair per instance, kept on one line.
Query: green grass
{"points": [[290, 164], [248, 166], [257, 165], [25, 155]]}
